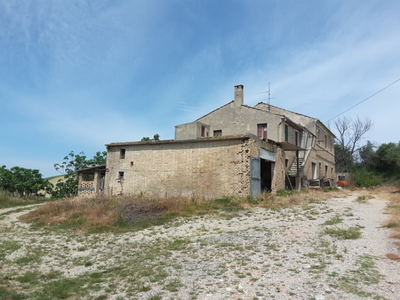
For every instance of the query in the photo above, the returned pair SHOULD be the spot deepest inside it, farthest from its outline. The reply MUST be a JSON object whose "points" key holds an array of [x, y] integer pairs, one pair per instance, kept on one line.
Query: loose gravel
{"points": [[253, 254]]}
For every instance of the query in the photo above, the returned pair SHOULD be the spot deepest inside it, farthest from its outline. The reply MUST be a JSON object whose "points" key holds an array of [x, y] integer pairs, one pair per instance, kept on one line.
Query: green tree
{"points": [[156, 137], [68, 186], [23, 182], [367, 155], [387, 160], [6, 183]]}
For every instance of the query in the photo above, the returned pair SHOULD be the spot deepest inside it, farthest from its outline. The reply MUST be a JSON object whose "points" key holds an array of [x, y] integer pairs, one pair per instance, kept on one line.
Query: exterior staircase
{"points": [[293, 167]]}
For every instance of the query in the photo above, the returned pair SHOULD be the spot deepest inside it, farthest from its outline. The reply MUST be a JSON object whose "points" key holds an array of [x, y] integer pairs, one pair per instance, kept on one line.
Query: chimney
{"points": [[238, 95]]}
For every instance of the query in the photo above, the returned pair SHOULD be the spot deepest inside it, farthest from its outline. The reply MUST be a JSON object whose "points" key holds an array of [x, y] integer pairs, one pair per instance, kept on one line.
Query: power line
{"points": [[364, 100]]}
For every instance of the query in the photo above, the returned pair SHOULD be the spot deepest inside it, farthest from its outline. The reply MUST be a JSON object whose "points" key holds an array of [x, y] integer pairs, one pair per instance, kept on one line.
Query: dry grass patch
{"points": [[110, 213], [90, 212], [393, 195], [393, 256], [286, 198], [102, 214], [7, 200]]}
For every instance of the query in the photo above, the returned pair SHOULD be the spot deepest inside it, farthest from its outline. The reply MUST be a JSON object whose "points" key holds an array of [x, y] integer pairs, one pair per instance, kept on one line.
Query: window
{"points": [[122, 153], [286, 162], [286, 133], [262, 131], [120, 175], [203, 131], [217, 132], [314, 170], [296, 136]]}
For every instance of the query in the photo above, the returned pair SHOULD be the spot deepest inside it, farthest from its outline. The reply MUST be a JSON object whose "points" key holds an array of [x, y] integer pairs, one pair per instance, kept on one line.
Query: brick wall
{"points": [[207, 168]]}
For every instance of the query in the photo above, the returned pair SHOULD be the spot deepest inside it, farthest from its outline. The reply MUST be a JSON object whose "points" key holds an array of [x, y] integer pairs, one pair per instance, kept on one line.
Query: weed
{"points": [[334, 220], [173, 285], [7, 247], [88, 264], [285, 193], [391, 225], [29, 277], [11, 294], [177, 245], [364, 199], [34, 255], [62, 289], [365, 274], [344, 234]]}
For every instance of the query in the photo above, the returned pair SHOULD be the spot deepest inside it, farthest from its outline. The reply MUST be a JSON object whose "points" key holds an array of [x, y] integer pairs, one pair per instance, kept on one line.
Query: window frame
{"points": [[262, 131]]}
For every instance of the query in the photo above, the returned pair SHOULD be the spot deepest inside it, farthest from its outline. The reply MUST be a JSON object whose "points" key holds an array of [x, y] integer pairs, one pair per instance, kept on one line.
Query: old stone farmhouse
{"points": [[234, 150]]}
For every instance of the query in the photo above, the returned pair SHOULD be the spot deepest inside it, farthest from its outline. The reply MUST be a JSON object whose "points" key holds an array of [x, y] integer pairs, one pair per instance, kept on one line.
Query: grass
{"points": [[7, 247], [131, 213], [364, 198], [7, 200], [365, 274], [333, 220], [393, 208], [344, 234]]}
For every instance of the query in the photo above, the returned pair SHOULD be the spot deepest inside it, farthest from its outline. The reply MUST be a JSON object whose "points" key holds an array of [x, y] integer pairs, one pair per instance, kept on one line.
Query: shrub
{"points": [[363, 178]]}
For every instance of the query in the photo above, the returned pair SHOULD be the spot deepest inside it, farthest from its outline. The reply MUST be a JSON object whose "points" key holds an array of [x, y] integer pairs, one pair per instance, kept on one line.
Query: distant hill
{"points": [[53, 180]]}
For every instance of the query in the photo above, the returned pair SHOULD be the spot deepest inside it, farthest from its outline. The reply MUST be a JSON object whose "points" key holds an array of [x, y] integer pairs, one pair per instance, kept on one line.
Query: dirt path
{"points": [[255, 254]]}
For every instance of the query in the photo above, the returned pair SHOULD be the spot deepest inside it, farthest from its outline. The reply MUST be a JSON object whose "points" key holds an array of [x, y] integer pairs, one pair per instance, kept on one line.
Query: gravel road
{"points": [[253, 254]]}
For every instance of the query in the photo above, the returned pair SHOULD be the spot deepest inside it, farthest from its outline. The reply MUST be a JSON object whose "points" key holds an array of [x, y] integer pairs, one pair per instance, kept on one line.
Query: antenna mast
{"points": [[269, 96]]}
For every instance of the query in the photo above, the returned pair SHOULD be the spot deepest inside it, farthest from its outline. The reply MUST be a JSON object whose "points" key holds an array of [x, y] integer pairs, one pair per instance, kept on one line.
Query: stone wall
{"points": [[233, 120], [208, 168]]}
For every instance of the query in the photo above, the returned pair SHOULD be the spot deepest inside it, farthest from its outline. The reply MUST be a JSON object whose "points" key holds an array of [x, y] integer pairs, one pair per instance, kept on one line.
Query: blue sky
{"points": [[75, 75]]}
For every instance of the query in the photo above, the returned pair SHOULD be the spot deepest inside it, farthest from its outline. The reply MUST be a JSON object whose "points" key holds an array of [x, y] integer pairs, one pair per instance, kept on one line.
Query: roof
{"points": [[92, 169], [287, 119], [204, 139], [289, 146], [302, 115]]}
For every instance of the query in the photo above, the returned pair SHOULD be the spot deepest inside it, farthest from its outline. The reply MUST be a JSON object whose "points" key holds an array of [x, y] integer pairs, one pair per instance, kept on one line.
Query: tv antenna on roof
{"points": [[269, 96]]}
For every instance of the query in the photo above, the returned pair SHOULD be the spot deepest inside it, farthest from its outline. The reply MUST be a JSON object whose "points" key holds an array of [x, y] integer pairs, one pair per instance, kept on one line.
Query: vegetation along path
{"points": [[333, 249]]}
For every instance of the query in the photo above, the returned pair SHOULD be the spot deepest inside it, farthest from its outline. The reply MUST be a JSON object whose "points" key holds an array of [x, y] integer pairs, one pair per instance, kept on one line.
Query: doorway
{"points": [[261, 175], [266, 175]]}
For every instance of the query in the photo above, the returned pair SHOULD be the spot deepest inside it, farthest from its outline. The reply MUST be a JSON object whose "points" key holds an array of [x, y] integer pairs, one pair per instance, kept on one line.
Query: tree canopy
{"points": [[23, 182], [156, 137], [68, 186]]}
